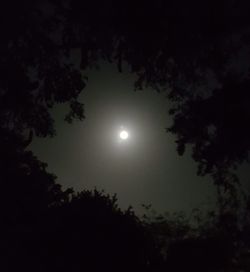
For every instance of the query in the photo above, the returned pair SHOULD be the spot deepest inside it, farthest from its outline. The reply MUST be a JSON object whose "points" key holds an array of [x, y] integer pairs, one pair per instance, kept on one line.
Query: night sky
{"points": [[145, 169]]}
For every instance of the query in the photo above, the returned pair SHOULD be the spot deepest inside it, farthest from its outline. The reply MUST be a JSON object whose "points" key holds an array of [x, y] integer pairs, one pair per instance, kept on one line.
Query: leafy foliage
{"points": [[201, 241], [177, 47], [35, 72], [171, 46]]}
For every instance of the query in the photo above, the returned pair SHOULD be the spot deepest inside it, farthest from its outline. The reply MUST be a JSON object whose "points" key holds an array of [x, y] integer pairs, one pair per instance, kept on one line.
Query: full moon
{"points": [[124, 135]]}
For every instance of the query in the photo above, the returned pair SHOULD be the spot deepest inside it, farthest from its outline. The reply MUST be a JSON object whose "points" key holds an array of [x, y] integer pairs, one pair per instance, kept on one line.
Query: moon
{"points": [[123, 135]]}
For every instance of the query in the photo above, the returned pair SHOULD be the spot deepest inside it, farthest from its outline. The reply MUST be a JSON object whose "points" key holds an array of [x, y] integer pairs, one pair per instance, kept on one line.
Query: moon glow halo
{"points": [[123, 135]]}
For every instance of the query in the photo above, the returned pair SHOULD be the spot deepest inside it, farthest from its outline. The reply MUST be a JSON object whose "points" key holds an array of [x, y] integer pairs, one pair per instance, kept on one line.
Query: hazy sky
{"points": [[144, 169]]}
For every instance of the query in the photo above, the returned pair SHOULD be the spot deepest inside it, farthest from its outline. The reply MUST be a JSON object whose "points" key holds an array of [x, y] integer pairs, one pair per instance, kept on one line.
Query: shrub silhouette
{"points": [[89, 232]]}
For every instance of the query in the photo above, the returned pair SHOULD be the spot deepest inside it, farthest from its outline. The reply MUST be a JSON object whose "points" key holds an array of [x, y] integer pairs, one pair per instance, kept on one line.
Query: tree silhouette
{"points": [[149, 36], [180, 48], [199, 241], [172, 46], [34, 77], [35, 74], [88, 232]]}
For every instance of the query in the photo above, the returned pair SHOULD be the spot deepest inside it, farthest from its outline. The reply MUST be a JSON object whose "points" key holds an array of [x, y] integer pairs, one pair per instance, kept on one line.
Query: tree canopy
{"points": [[188, 49], [172, 46]]}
